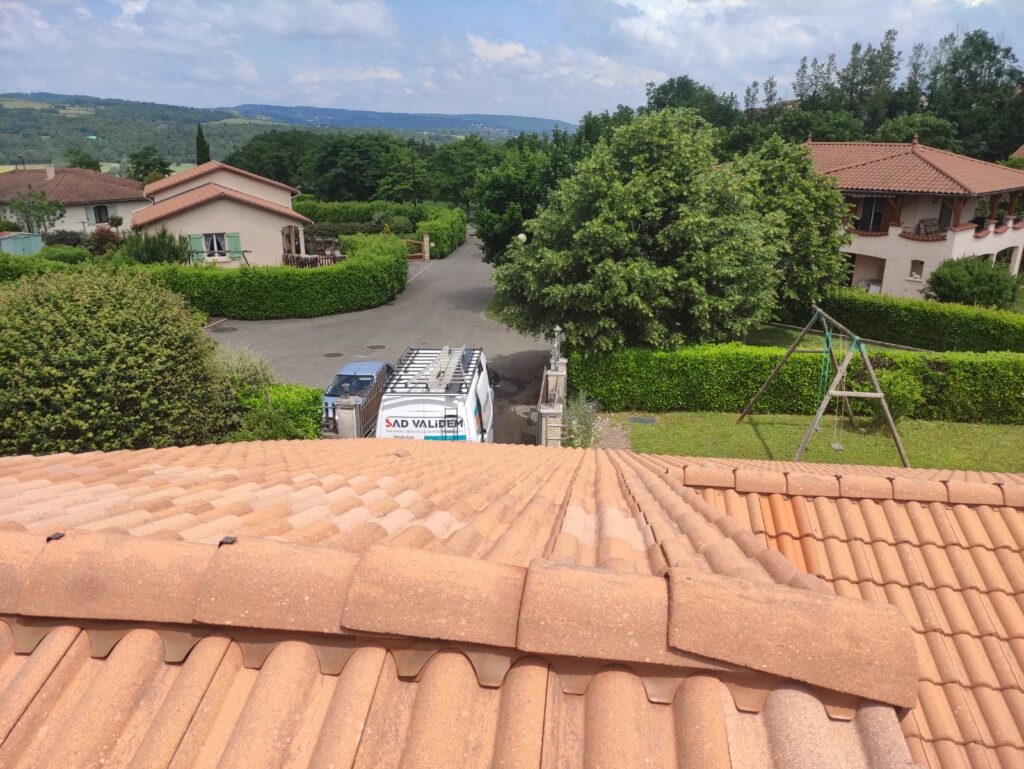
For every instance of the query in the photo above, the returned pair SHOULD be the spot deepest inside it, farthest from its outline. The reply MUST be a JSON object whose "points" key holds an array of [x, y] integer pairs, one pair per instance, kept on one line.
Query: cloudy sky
{"points": [[548, 58]]}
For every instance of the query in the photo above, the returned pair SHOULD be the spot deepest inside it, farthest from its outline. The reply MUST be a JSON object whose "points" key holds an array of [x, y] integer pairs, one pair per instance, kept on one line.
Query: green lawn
{"points": [[946, 445]]}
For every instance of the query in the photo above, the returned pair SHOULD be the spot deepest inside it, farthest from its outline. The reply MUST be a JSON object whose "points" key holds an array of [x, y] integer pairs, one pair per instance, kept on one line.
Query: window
{"points": [[870, 219], [916, 269], [100, 214], [215, 244]]}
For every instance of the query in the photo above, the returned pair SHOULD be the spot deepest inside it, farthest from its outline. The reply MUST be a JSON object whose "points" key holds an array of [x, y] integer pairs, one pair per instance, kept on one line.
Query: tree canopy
{"points": [[202, 146], [146, 165], [76, 157], [35, 212], [649, 242]]}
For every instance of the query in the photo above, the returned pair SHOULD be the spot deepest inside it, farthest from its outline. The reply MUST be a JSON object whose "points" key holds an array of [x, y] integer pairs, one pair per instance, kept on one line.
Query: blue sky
{"points": [[549, 58]]}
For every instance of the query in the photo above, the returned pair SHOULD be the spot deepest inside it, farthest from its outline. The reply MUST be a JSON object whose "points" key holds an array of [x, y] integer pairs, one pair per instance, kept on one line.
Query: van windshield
{"points": [[357, 385]]}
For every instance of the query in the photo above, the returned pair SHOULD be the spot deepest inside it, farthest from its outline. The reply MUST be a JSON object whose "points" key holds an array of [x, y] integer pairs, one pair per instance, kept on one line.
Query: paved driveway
{"points": [[442, 304]]}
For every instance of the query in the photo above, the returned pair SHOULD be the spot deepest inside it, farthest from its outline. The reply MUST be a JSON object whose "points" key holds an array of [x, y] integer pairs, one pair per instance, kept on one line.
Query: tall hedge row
{"points": [[357, 211], [447, 230], [928, 325], [373, 273], [956, 386]]}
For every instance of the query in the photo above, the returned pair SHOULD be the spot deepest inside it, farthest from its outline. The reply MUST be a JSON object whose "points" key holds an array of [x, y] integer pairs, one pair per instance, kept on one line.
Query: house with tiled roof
{"points": [[380, 604], [915, 207], [229, 215], [90, 198]]}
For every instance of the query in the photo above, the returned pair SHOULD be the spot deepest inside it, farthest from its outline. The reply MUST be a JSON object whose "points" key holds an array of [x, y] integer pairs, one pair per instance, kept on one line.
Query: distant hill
{"points": [[40, 127]]}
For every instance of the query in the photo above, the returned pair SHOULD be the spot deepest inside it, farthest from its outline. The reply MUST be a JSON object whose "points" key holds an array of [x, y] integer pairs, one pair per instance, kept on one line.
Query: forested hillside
{"points": [[42, 127]]}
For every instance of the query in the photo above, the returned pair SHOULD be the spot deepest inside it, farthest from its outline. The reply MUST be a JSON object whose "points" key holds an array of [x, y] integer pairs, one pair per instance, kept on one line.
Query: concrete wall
{"points": [[258, 230], [75, 216], [233, 181]]}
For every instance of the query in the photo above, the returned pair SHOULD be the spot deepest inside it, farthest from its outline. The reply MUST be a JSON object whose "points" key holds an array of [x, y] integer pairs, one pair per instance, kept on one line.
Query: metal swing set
{"points": [[835, 336]]}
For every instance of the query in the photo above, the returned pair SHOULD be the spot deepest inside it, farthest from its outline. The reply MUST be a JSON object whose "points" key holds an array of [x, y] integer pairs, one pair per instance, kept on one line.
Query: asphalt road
{"points": [[442, 304]]}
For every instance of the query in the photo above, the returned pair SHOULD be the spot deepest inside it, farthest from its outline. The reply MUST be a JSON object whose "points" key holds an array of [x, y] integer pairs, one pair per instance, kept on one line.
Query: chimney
{"points": [[50, 173]]}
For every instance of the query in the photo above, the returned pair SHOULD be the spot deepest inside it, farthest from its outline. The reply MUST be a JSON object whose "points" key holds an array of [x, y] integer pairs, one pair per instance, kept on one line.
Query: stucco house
{"points": [[916, 206], [90, 198], [230, 216]]}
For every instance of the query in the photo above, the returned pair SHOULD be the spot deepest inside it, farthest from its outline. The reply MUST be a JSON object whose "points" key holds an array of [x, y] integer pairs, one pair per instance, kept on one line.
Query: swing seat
{"points": [[836, 446]]}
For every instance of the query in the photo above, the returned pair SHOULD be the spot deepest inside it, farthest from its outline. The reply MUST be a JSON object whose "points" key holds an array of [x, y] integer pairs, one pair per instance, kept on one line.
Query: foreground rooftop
{"points": [[379, 603]]}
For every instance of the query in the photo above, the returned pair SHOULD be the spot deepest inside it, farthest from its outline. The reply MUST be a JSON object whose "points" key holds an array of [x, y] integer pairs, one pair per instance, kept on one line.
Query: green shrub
{"points": [[579, 419], [245, 370], [919, 323], [401, 225], [102, 239], [6, 225], [358, 212], [972, 280], [66, 254], [373, 273], [62, 237], [14, 267], [954, 386], [281, 412], [155, 248], [114, 361], [447, 231], [904, 394]]}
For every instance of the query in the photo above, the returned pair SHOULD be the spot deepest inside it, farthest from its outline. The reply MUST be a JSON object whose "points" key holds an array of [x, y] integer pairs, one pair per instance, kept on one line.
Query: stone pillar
{"points": [[302, 240], [426, 246], [347, 415]]}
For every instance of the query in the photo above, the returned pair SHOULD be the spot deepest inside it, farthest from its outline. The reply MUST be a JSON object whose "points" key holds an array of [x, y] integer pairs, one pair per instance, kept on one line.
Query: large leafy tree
{"points": [[34, 211], [814, 217], [76, 157], [650, 242], [454, 168], [507, 195], [147, 164], [283, 155]]}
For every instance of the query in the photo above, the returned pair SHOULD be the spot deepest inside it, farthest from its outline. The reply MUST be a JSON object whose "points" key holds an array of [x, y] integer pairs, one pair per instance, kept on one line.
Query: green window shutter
{"points": [[90, 215], [197, 247], [234, 245]]}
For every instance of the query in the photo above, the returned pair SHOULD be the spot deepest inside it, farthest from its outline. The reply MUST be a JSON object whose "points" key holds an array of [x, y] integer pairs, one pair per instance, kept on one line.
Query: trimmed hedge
{"points": [[13, 267], [954, 386], [929, 325], [447, 230], [374, 272], [65, 254], [358, 211]]}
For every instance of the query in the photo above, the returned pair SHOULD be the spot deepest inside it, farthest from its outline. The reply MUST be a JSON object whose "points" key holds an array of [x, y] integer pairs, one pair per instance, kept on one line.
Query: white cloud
{"points": [[230, 67], [25, 28], [344, 74], [495, 53]]}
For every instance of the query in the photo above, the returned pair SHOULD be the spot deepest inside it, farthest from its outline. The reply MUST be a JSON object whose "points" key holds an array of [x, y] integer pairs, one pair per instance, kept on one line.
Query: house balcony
{"points": [[932, 245]]}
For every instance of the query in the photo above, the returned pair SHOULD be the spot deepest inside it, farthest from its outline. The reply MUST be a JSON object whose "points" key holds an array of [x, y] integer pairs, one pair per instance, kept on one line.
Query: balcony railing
{"points": [[312, 260]]}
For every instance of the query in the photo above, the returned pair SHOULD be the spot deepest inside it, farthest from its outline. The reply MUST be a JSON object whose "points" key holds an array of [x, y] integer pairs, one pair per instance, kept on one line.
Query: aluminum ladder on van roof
{"points": [[442, 370]]}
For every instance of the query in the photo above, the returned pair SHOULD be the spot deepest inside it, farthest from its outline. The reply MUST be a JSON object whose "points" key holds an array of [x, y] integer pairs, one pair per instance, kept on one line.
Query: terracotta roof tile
{"points": [[266, 660], [911, 167], [71, 186], [199, 171], [205, 194]]}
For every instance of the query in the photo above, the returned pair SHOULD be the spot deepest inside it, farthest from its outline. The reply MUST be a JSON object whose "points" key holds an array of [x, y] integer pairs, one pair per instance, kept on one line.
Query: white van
{"points": [[441, 394]]}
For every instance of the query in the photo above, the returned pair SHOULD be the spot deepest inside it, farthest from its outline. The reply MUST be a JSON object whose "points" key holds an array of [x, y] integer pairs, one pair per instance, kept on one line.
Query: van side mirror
{"points": [[493, 376]]}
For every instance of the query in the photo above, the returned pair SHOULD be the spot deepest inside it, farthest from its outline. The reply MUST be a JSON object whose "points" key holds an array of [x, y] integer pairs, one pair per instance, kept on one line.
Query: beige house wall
{"points": [[233, 181], [75, 216], [259, 230]]}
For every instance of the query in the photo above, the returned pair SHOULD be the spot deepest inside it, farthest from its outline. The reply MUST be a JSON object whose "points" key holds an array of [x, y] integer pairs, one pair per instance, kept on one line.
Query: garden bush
{"points": [[102, 239], [154, 248], [113, 361], [357, 212], [62, 237], [14, 267], [373, 273], [954, 386], [6, 225], [447, 230], [973, 280], [919, 323], [66, 254], [281, 412]]}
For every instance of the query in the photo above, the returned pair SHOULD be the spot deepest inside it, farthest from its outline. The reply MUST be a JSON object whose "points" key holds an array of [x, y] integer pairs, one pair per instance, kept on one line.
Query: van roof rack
{"points": [[434, 370]]}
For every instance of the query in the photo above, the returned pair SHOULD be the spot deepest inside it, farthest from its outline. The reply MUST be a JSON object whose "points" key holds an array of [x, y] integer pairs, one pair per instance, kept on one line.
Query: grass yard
{"points": [[944, 445]]}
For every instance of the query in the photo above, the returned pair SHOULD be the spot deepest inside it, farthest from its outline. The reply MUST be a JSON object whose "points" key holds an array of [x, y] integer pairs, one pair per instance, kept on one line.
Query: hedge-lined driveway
{"points": [[442, 304]]}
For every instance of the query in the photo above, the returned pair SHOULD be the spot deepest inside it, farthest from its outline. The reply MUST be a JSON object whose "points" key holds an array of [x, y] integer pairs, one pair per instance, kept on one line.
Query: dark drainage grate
{"points": [[223, 329], [375, 346], [642, 420], [333, 354]]}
